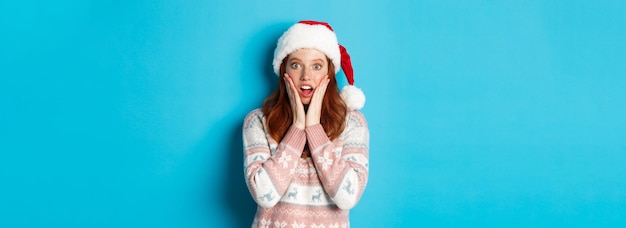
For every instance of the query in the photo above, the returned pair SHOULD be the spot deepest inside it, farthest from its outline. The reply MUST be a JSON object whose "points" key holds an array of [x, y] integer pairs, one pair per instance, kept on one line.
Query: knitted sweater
{"points": [[314, 192]]}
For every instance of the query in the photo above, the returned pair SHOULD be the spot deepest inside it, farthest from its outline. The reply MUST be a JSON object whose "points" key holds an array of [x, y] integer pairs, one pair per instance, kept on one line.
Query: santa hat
{"points": [[320, 36]]}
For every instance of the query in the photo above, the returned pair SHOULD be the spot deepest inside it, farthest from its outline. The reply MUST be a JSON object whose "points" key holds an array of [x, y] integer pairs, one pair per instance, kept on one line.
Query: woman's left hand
{"points": [[315, 107]]}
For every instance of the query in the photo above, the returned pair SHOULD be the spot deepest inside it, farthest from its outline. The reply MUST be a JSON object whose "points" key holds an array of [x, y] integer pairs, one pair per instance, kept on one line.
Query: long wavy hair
{"points": [[279, 117]]}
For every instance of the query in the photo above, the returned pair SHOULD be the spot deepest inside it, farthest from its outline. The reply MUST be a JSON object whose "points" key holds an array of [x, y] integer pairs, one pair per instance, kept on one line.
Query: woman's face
{"points": [[306, 67]]}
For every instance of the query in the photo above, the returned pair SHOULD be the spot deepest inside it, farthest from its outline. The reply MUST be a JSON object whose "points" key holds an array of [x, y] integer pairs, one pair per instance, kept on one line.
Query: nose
{"points": [[305, 76]]}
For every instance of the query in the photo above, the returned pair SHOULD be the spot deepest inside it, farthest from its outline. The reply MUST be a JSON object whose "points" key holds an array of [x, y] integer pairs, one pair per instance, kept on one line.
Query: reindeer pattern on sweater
{"points": [[314, 192]]}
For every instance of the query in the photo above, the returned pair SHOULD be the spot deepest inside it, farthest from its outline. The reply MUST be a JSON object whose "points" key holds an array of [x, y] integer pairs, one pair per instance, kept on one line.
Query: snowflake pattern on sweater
{"points": [[314, 192]]}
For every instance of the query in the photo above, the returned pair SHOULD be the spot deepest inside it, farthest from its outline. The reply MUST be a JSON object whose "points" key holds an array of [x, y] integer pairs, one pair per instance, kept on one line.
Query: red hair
{"points": [[279, 117]]}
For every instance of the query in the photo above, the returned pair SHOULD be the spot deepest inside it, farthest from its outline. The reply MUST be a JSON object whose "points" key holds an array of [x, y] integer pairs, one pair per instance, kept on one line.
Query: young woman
{"points": [[306, 150]]}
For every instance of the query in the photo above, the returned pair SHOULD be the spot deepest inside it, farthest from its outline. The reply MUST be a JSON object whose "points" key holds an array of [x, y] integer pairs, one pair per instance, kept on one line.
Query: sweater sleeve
{"points": [[343, 164], [268, 175]]}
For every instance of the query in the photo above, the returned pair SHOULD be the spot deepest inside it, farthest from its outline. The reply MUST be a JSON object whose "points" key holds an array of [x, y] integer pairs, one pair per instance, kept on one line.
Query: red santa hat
{"points": [[320, 36]]}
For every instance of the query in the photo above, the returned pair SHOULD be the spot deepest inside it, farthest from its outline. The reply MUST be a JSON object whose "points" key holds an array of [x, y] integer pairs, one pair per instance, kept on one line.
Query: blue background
{"points": [[482, 113]]}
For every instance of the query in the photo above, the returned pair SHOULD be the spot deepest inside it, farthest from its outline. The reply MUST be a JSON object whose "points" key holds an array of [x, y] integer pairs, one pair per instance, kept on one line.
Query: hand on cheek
{"points": [[296, 105], [315, 107]]}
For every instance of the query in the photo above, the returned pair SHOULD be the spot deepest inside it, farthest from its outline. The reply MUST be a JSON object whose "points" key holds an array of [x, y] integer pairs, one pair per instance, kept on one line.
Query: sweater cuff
{"points": [[295, 138], [316, 136]]}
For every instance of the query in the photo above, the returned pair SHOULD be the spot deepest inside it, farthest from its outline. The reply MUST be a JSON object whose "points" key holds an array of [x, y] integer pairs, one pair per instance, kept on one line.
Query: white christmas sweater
{"points": [[314, 192]]}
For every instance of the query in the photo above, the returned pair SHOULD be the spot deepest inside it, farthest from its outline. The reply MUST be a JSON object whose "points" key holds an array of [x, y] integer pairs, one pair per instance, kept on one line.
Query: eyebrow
{"points": [[292, 59], [314, 60]]}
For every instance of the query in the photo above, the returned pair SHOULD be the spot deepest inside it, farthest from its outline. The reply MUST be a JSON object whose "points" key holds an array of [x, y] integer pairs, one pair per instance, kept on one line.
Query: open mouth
{"points": [[306, 91]]}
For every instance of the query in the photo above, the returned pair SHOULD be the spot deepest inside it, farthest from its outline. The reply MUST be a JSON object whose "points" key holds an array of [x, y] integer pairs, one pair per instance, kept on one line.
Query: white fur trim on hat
{"points": [[302, 35]]}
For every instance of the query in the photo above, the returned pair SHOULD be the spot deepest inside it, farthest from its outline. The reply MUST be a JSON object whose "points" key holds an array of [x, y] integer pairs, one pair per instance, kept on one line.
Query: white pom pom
{"points": [[353, 96]]}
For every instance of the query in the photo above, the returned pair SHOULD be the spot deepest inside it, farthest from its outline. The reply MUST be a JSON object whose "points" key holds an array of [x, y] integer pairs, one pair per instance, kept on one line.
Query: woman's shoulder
{"points": [[255, 112], [356, 118], [253, 116]]}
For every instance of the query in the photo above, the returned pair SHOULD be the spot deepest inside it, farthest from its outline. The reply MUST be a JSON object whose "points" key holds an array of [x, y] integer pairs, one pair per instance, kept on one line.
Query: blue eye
{"points": [[295, 65], [317, 66]]}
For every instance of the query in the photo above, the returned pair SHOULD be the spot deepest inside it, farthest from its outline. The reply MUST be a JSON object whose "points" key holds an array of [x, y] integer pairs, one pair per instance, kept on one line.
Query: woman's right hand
{"points": [[297, 108]]}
